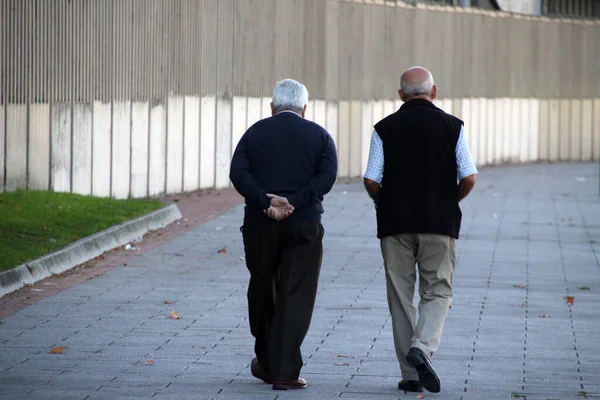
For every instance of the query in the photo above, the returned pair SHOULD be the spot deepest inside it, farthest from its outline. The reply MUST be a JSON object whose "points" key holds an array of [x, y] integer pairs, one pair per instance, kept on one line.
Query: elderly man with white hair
{"points": [[419, 169], [283, 166]]}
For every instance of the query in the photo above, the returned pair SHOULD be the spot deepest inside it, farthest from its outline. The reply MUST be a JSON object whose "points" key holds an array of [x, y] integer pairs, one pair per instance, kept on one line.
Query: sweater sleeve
{"points": [[319, 185], [243, 179]]}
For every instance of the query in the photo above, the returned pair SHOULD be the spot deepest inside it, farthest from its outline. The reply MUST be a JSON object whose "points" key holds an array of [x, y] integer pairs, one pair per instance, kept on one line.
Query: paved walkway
{"points": [[531, 236]]}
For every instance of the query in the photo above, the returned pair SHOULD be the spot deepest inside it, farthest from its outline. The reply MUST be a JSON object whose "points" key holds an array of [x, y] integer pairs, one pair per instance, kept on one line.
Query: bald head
{"points": [[417, 82]]}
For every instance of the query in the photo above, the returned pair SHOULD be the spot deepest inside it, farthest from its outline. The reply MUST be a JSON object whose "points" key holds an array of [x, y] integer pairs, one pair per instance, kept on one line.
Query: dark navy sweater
{"points": [[289, 156]]}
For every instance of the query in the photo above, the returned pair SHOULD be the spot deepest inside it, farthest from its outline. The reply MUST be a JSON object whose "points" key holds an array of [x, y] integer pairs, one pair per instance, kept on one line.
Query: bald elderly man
{"points": [[419, 169]]}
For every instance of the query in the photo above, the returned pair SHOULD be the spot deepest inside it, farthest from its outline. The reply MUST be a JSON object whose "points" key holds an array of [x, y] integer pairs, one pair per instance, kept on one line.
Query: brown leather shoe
{"points": [[299, 383], [258, 372]]}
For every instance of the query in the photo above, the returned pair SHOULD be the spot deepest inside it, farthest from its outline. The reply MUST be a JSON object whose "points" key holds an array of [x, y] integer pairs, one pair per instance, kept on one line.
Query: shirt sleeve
{"points": [[374, 170], [464, 162]]}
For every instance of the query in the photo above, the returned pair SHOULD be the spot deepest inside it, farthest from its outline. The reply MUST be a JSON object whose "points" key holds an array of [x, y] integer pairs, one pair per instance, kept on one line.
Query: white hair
{"points": [[417, 88], [289, 95]]}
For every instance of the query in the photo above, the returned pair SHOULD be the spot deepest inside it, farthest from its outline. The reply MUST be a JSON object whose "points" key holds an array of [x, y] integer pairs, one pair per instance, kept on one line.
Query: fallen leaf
{"points": [[570, 300], [420, 396], [101, 257], [174, 315], [519, 286], [583, 288], [544, 316], [242, 258], [58, 350], [342, 364], [450, 306], [223, 250], [149, 362], [197, 347], [342, 356], [168, 302]]}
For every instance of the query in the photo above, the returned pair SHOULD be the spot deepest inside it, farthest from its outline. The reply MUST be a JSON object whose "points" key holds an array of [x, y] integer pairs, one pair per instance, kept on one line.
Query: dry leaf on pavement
{"points": [[168, 302], [174, 315], [519, 286], [570, 300], [149, 362], [420, 396], [58, 350], [223, 250], [544, 316]]}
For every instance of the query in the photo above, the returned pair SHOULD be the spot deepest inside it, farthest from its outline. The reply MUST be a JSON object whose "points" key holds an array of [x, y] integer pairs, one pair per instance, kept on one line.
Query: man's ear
{"points": [[401, 94], [304, 111], [433, 92], [272, 109]]}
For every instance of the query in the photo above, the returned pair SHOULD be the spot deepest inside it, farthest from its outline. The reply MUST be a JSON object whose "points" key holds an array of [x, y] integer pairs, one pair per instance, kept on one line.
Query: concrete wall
{"points": [[155, 102]]}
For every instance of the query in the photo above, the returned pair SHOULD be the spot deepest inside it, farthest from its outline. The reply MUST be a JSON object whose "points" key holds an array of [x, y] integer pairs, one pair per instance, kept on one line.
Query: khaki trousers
{"points": [[435, 256]]}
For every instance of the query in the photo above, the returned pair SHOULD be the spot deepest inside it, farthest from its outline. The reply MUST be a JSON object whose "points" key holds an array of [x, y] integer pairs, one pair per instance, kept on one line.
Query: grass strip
{"points": [[35, 223]]}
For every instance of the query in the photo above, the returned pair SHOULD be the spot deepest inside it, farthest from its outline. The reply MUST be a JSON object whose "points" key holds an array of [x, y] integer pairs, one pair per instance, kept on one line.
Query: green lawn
{"points": [[34, 223]]}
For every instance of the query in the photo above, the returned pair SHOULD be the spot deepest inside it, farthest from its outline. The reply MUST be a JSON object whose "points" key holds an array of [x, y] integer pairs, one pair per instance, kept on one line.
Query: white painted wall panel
{"points": [[121, 150], [515, 130], [596, 130], [321, 112], [500, 121], [553, 130], [524, 128], [469, 128], [490, 124], [508, 130], [82, 149], [208, 129], [174, 145], [266, 107], [587, 124], [140, 116], [389, 107], [101, 149], [191, 144], [254, 111], [60, 159], [157, 163], [564, 127], [332, 121], [239, 120], [310, 111], [223, 143], [377, 110], [39, 146], [16, 146], [397, 104], [544, 130], [575, 131], [355, 139], [534, 129], [483, 131], [344, 140], [366, 133]]}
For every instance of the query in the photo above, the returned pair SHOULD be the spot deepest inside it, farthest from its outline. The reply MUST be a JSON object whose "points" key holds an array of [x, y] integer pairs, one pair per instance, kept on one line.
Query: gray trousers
{"points": [[435, 256]]}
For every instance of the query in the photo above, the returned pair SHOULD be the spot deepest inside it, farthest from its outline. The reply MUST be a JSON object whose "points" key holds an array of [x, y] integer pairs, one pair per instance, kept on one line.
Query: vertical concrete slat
{"points": [[321, 112], [343, 146], [121, 150], [544, 130], [564, 126], [265, 107], [157, 164], [101, 149], [39, 147], [553, 130], [515, 130], [239, 120], [534, 130], [596, 130], [207, 142], [587, 124], [16, 146], [483, 131], [366, 132], [355, 139], [524, 129], [140, 116], [60, 128], [254, 111], [2, 135], [174, 145], [332, 122], [499, 130], [191, 140], [223, 142], [82, 149], [508, 129], [575, 131]]}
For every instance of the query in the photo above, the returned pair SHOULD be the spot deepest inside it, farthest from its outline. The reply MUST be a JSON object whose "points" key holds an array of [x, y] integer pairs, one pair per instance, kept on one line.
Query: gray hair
{"points": [[289, 95], [417, 88]]}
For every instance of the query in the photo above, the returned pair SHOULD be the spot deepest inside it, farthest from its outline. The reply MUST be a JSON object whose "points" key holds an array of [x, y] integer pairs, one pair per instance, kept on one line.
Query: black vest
{"points": [[419, 192]]}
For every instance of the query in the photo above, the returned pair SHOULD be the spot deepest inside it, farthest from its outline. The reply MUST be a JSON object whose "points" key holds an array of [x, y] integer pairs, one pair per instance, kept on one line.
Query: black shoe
{"points": [[410, 386], [259, 373], [299, 383], [427, 375]]}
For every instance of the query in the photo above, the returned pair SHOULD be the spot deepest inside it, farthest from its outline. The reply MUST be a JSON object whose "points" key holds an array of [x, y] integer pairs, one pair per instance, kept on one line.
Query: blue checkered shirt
{"points": [[464, 161]]}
